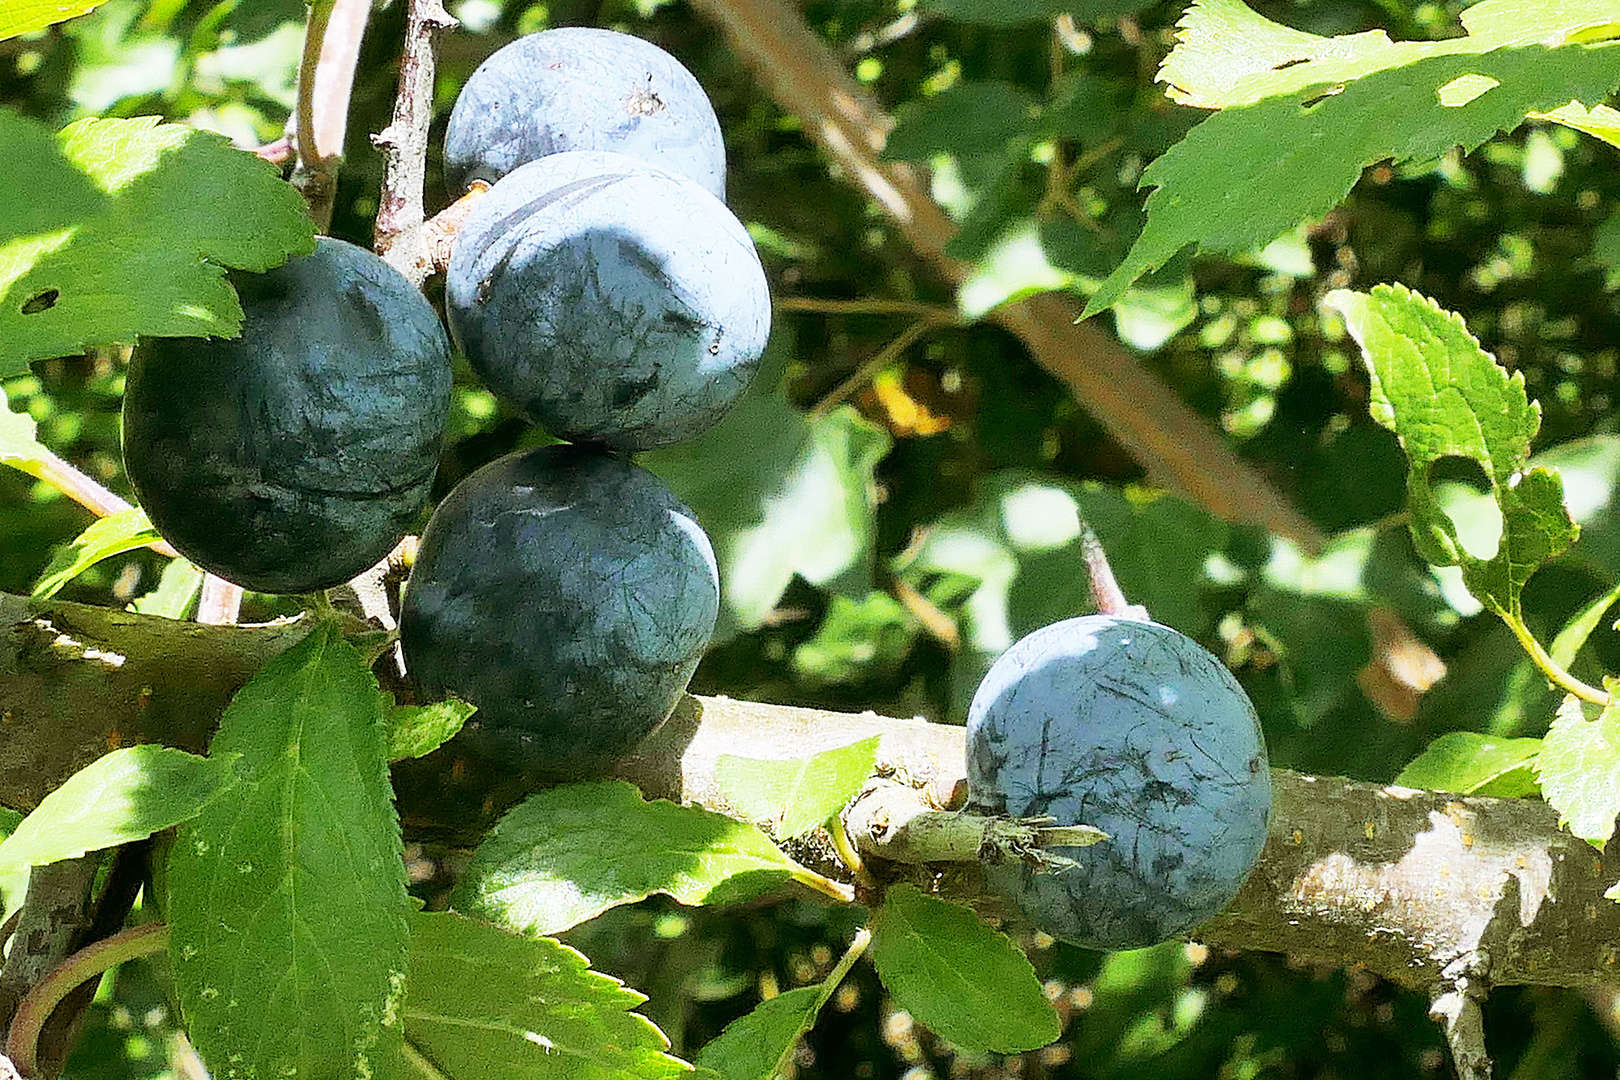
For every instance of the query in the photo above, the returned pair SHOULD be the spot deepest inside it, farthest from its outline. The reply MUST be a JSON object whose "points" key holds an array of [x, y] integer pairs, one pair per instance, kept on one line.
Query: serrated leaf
{"points": [[142, 221], [176, 591], [1468, 762], [122, 796], [106, 537], [965, 982], [1249, 173], [568, 854], [418, 730], [19, 17], [1227, 54], [1600, 121], [752, 1046], [964, 118], [1579, 767], [483, 1004], [798, 794], [1442, 395], [286, 896]]}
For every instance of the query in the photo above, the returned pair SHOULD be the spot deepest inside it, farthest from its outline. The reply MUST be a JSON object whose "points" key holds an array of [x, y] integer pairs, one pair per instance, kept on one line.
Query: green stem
{"points": [[829, 985], [826, 886], [320, 14], [1555, 672], [22, 1043]]}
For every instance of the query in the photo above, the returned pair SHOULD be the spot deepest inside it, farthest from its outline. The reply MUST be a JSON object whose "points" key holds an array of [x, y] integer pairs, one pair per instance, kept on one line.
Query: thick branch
{"points": [[1173, 443], [1414, 885]]}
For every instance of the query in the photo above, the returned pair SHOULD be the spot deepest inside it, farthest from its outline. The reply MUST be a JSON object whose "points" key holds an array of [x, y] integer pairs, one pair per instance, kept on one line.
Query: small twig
{"points": [[404, 142], [1458, 1011], [883, 358], [325, 85], [277, 153], [22, 1041], [919, 308], [424, 250], [1105, 590], [892, 821], [56, 913]]}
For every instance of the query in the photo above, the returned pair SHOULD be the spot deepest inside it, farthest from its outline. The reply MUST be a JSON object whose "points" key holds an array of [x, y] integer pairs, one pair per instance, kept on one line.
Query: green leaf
{"points": [[18, 446], [857, 640], [964, 118], [1442, 395], [1226, 54], [967, 983], [753, 1045], [780, 494], [286, 896], [142, 221], [176, 591], [106, 537], [1470, 763], [1250, 173], [14, 884], [19, 17], [1579, 767], [123, 796], [418, 730], [568, 854], [799, 794], [483, 1004], [1015, 266]]}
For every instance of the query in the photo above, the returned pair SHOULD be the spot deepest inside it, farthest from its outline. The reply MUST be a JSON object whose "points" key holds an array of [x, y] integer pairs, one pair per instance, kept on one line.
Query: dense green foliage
{"points": [[898, 497]]}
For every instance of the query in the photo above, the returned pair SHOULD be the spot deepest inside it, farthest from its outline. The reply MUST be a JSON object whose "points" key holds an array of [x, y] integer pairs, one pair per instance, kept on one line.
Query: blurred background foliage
{"points": [[900, 497]]}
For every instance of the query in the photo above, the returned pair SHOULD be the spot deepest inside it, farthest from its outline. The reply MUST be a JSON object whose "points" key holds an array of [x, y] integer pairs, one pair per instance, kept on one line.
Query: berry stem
{"points": [[1105, 590], [325, 84]]}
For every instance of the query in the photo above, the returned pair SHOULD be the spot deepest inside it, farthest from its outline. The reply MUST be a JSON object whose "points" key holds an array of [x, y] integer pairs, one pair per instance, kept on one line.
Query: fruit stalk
{"points": [[888, 822], [325, 83]]}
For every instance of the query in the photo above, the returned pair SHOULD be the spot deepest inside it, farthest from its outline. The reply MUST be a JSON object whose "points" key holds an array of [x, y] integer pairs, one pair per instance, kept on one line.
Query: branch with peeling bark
{"points": [[1420, 887]]}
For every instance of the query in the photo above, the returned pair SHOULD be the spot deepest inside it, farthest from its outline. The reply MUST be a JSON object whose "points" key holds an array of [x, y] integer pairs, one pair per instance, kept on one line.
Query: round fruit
{"points": [[1134, 728], [569, 595], [297, 455], [607, 300], [580, 88]]}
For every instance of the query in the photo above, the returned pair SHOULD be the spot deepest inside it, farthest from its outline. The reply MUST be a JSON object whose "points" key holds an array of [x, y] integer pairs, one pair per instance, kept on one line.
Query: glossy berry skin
{"points": [[569, 595], [581, 88], [608, 301], [1134, 728], [296, 456]]}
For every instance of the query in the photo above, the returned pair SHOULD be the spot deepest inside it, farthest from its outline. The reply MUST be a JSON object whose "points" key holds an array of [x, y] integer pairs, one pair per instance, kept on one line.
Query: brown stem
{"points": [[404, 141]]}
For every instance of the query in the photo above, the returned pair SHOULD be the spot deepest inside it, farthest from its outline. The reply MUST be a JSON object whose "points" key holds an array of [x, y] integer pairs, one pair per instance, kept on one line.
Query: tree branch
{"points": [[1174, 444], [401, 210], [1414, 885]]}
